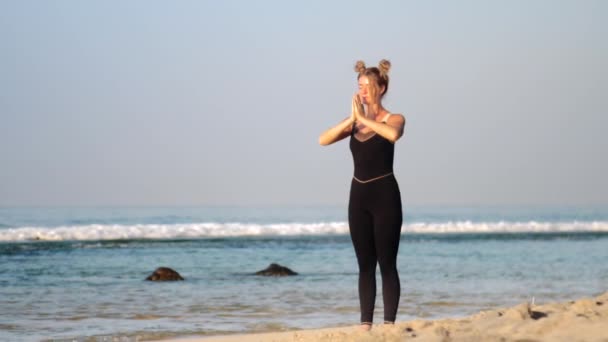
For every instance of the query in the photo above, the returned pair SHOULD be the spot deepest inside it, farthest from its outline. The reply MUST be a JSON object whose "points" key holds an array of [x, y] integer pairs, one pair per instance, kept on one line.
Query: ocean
{"points": [[78, 273]]}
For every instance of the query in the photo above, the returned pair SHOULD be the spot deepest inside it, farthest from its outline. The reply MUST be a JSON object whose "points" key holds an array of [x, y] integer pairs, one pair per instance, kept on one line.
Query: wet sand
{"points": [[584, 319]]}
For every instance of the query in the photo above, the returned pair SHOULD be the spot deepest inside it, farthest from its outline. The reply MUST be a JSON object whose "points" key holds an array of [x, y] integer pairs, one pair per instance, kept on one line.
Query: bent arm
{"points": [[392, 130], [336, 133]]}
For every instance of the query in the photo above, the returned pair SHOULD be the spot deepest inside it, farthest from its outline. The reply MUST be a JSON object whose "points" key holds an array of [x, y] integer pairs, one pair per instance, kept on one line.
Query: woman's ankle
{"points": [[366, 326]]}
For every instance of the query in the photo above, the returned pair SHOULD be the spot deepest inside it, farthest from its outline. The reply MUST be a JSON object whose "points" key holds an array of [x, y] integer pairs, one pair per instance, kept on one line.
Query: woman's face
{"points": [[366, 93]]}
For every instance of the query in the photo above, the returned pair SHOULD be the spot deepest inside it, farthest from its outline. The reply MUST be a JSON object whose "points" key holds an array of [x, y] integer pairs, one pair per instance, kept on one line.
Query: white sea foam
{"points": [[167, 231], [213, 230], [508, 227]]}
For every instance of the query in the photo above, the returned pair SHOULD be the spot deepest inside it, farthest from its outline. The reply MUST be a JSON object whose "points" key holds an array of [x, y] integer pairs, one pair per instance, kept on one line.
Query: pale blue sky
{"points": [[199, 102]]}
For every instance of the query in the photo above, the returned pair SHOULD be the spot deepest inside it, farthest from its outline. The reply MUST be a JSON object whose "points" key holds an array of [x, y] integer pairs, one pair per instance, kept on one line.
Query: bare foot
{"points": [[365, 326]]}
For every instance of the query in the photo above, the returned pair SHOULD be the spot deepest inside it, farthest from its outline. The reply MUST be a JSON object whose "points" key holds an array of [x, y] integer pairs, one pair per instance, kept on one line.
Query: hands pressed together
{"points": [[357, 111]]}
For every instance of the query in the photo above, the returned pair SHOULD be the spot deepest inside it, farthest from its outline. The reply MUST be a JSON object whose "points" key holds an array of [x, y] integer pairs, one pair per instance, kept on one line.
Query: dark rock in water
{"points": [[164, 274], [276, 270]]}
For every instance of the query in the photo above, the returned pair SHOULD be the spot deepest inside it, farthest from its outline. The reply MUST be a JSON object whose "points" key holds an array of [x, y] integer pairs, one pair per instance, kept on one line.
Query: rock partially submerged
{"points": [[276, 270], [164, 274]]}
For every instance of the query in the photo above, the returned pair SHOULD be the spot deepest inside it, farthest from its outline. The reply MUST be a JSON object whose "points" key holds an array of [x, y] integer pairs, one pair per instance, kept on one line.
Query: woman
{"points": [[374, 209]]}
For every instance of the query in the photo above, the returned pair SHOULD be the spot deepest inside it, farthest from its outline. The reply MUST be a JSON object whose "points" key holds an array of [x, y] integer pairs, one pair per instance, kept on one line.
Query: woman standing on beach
{"points": [[374, 209]]}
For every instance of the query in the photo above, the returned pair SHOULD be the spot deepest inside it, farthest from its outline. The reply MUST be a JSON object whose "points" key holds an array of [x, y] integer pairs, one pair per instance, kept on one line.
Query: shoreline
{"points": [[584, 319]]}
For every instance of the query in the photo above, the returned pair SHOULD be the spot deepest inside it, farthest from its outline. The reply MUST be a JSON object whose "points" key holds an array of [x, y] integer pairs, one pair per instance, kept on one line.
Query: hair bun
{"points": [[384, 66], [360, 66]]}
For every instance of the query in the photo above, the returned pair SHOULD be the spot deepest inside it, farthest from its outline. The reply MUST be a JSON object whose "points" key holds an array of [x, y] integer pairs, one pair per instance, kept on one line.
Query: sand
{"points": [[581, 320]]}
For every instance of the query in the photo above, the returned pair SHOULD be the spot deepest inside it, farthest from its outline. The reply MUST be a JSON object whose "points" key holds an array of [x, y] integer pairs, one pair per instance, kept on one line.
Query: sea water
{"points": [[78, 273]]}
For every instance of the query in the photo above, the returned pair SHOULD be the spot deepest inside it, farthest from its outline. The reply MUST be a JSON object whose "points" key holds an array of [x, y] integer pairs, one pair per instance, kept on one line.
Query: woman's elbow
{"points": [[393, 137], [323, 141], [397, 133]]}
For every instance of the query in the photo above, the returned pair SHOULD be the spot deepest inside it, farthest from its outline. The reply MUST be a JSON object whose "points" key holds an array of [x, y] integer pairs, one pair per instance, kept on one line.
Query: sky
{"points": [[171, 103]]}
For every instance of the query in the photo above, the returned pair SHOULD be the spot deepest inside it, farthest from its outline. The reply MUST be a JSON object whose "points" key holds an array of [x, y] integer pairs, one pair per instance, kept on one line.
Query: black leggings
{"points": [[375, 218]]}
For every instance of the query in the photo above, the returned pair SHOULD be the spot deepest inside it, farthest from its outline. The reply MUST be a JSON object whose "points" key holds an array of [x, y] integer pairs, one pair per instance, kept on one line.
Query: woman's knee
{"points": [[388, 268], [368, 266]]}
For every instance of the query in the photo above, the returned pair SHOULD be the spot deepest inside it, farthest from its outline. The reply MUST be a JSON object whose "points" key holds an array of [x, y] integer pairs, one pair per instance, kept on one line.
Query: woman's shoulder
{"points": [[395, 118]]}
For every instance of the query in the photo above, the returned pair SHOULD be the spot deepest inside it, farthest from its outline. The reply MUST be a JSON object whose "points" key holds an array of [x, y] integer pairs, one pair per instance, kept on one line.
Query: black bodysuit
{"points": [[375, 218]]}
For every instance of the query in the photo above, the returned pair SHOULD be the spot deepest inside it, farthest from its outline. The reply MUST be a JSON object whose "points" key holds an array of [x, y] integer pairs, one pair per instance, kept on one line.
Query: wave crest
{"points": [[95, 232]]}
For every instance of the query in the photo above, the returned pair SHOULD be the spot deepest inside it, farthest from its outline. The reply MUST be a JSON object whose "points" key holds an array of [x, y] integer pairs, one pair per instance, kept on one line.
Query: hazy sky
{"points": [[222, 102]]}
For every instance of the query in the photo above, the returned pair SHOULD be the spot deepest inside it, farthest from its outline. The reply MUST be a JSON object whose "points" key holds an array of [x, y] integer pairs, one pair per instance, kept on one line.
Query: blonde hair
{"points": [[378, 76]]}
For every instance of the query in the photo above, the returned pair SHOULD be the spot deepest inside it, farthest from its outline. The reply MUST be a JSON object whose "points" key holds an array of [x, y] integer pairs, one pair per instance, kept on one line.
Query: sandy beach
{"points": [[585, 319]]}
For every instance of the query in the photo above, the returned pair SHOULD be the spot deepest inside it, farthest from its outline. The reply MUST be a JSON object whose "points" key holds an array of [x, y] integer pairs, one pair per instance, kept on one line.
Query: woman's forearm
{"points": [[387, 131], [338, 132]]}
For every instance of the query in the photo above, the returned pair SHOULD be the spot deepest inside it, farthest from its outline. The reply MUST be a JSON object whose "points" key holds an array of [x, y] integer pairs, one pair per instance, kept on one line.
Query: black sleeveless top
{"points": [[372, 157]]}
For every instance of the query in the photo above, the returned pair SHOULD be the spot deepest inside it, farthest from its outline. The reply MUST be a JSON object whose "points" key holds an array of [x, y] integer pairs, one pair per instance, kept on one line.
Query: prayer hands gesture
{"points": [[357, 111]]}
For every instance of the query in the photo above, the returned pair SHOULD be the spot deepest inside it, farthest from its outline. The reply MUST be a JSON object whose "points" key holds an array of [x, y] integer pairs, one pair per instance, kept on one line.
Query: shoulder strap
{"points": [[386, 117]]}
